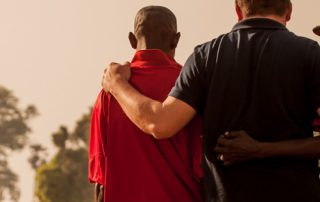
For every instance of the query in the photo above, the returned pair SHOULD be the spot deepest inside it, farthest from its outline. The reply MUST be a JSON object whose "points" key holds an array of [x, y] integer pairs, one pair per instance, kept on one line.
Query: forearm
{"points": [[303, 148], [140, 109], [161, 120]]}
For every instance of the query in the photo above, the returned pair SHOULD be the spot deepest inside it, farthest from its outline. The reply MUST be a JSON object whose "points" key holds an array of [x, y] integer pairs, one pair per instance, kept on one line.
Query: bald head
{"points": [[156, 28]]}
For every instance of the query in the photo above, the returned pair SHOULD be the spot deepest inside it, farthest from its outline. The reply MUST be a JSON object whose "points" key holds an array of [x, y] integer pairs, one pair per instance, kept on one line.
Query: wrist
{"points": [[262, 150]]}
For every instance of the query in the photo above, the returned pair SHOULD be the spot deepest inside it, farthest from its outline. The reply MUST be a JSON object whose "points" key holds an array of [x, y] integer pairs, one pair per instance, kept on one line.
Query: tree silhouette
{"points": [[14, 132], [38, 156], [64, 177]]}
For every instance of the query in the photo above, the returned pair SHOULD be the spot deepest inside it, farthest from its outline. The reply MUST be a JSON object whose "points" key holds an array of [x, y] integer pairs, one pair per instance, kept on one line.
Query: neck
{"points": [[280, 19], [144, 46]]}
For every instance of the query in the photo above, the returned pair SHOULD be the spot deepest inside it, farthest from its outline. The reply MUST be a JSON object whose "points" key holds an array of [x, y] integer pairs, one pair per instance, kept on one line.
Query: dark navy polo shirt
{"points": [[265, 80]]}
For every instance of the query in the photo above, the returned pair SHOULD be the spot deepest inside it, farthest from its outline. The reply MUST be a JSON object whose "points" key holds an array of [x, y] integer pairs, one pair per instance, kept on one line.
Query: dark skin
{"points": [[316, 30], [237, 146], [98, 192], [139, 41]]}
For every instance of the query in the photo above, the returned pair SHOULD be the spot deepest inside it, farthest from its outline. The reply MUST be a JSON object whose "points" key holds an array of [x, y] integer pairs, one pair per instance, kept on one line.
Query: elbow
{"points": [[160, 131]]}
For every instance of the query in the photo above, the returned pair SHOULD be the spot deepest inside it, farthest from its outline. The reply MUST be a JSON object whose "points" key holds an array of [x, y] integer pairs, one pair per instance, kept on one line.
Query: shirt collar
{"points": [[152, 58], [260, 23]]}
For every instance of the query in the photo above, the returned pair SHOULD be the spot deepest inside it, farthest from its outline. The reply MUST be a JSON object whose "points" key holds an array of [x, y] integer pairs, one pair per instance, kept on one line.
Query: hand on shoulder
{"points": [[114, 74]]}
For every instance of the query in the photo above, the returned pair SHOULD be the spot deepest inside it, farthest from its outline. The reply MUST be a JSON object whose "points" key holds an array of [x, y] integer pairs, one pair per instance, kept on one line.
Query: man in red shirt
{"points": [[133, 166]]}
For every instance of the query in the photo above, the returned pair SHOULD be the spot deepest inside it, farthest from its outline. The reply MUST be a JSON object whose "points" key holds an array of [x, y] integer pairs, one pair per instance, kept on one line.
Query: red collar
{"points": [[153, 58]]}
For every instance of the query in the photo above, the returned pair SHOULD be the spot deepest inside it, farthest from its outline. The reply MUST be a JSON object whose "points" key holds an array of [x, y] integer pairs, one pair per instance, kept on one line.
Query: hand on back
{"points": [[236, 147]]}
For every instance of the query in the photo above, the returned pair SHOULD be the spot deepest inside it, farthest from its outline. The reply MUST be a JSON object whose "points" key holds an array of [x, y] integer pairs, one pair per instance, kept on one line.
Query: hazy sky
{"points": [[53, 52]]}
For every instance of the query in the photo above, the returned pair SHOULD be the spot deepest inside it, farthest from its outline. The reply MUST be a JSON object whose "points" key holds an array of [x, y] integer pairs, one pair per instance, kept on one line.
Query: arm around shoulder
{"points": [[161, 120], [169, 117]]}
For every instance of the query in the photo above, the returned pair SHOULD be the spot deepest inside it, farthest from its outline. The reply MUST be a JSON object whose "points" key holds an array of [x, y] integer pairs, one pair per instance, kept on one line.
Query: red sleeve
{"points": [[97, 145]]}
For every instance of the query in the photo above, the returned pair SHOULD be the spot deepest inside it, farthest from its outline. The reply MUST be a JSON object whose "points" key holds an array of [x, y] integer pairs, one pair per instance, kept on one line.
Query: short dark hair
{"points": [[263, 7], [152, 17], [157, 25]]}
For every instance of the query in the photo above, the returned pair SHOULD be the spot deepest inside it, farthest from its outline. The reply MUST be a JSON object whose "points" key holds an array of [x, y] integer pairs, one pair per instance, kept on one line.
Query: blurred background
{"points": [[53, 54]]}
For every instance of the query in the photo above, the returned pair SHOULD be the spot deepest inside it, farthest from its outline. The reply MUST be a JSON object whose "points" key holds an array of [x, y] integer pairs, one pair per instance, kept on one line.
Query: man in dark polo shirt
{"points": [[259, 78]]}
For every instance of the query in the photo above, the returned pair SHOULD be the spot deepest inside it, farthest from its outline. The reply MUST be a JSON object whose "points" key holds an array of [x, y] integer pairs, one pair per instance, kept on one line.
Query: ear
{"points": [[289, 12], [175, 40], [239, 12], [133, 40]]}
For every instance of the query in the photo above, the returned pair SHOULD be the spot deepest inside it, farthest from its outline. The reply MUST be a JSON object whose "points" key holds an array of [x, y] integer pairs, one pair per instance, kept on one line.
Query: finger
{"points": [[234, 134], [113, 63], [231, 134], [223, 141], [228, 160], [220, 157], [228, 163], [220, 149], [226, 134]]}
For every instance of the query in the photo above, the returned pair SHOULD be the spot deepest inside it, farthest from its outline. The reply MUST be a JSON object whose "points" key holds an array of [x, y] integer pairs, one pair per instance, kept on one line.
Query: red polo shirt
{"points": [[134, 166]]}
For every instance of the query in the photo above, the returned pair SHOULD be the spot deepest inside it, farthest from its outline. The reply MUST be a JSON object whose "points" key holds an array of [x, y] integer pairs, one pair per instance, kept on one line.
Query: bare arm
{"points": [[238, 146], [161, 120]]}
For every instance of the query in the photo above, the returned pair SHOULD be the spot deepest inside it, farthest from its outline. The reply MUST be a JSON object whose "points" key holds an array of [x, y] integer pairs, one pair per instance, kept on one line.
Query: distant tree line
{"points": [[63, 178], [14, 136]]}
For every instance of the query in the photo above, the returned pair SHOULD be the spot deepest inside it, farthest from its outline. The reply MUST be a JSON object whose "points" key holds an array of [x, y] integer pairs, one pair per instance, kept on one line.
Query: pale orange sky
{"points": [[53, 52]]}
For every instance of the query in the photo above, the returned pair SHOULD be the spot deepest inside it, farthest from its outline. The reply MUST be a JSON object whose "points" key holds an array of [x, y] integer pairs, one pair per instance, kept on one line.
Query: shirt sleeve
{"points": [[97, 145], [196, 148], [190, 85], [314, 64]]}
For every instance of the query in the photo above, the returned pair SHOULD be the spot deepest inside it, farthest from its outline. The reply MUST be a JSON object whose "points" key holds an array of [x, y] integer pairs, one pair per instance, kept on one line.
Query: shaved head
{"points": [[154, 18], [157, 26]]}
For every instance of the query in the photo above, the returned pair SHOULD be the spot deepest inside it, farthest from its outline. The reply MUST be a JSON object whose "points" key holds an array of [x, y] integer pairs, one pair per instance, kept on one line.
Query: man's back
{"points": [[257, 78], [139, 167], [261, 76]]}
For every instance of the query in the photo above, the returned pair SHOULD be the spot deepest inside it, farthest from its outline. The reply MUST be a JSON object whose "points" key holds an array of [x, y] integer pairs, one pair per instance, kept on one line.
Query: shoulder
{"points": [[206, 48], [205, 53], [296, 40], [306, 47]]}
